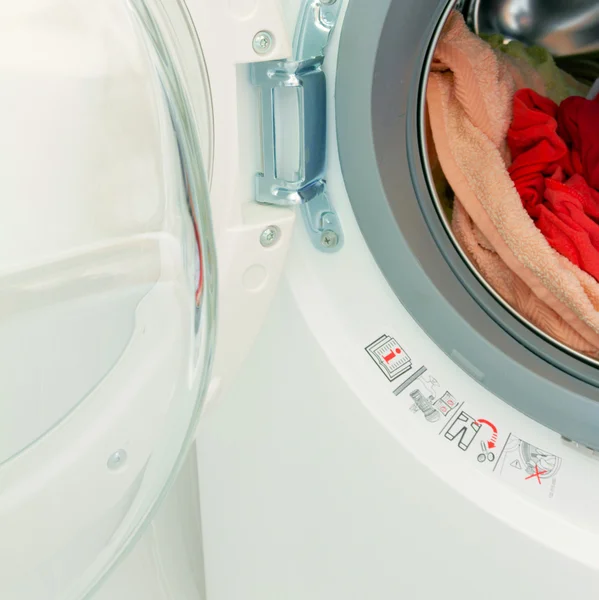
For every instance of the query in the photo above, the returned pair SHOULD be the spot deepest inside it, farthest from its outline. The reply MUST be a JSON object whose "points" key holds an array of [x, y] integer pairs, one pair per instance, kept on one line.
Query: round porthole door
{"points": [[107, 279]]}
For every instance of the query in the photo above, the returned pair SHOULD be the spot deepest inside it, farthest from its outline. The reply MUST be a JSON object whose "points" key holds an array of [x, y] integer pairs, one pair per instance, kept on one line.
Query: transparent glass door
{"points": [[107, 279]]}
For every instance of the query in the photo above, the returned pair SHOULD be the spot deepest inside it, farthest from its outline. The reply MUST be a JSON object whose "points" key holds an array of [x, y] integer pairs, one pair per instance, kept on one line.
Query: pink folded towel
{"points": [[469, 97]]}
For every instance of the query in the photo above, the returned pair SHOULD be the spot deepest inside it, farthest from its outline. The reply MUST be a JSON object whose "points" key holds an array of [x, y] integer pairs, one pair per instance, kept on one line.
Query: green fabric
{"points": [[559, 85]]}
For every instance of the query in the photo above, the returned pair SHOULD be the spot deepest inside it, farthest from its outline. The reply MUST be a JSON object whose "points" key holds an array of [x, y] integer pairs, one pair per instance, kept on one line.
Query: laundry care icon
{"points": [[389, 357], [463, 430], [425, 405], [524, 462], [446, 404]]}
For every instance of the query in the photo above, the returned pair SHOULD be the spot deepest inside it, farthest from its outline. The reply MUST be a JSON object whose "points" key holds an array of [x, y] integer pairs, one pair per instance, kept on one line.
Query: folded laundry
{"points": [[578, 126], [535, 146], [555, 169], [568, 220], [558, 85], [469, 98]]}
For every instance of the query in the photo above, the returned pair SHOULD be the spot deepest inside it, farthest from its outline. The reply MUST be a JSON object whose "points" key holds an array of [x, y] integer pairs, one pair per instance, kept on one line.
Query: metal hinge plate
{"points": [[304, 75]]}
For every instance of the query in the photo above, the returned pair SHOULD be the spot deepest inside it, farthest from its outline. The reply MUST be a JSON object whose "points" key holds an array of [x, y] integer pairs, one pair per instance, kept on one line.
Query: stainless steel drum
{"points": [[561, 26]]}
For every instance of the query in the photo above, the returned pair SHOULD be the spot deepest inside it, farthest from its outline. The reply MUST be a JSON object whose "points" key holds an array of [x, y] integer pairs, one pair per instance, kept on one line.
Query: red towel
{"points": [[578, 126], [555, 168]]}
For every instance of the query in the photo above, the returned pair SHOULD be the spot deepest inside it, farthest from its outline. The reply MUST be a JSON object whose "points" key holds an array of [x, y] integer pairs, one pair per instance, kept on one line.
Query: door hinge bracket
{"points": [[304, 74]]}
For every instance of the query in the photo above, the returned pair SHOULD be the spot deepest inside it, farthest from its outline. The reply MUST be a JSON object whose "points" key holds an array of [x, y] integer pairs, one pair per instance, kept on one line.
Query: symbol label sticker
{"points": [[389, 357], [446, 404], [463, 430], [485, 454], [431, 414], [427, 396], [492, 441], [537, 474], [524, 464]]}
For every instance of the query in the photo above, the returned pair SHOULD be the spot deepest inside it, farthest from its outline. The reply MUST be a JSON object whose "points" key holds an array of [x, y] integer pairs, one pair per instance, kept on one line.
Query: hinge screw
{"points": [[329, 239], [262, 43], [270, 236]]}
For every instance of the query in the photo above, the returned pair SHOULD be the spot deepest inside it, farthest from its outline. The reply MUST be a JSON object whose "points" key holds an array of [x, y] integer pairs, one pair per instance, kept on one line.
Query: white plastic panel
{"points": [[249, 273], [167, 562], [234, 23], [318, 481]]}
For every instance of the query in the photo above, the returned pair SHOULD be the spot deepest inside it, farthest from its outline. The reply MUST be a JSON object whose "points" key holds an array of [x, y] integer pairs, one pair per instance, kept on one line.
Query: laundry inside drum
{"points": [[508, 127]]}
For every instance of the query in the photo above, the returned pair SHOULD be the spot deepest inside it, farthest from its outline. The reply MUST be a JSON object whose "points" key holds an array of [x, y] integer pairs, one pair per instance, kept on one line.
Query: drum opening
{"points": [[571, 51]]}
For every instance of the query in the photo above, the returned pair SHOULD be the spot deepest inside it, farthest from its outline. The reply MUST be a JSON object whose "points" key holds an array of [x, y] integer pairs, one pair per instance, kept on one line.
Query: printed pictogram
{"points": [[537, 474], [389, 357], [493, 439], [425, 405], [522, 462], [427, 395], [485, 454], [463, 430]]}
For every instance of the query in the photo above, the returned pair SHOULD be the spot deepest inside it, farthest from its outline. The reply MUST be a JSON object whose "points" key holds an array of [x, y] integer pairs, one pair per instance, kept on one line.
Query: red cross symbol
{"points": [[536, 474]]}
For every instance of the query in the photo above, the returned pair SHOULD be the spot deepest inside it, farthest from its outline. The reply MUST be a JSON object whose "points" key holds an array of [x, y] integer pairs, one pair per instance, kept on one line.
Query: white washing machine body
{"points": [[353, 458], [340, 452]]}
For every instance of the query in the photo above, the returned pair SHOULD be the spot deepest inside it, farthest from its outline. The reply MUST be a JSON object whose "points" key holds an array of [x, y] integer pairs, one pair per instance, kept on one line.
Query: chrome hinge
{"points": [[303, 183]]}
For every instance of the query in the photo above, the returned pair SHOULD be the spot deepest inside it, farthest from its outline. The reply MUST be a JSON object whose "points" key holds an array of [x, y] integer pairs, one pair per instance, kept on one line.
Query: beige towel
{"points": [[469, 97]]}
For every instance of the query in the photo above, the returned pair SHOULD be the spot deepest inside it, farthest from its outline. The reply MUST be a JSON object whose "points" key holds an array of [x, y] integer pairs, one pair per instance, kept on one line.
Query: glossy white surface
{"points": [[317, 481], [98, 273], [82, 184], [167, 562]]}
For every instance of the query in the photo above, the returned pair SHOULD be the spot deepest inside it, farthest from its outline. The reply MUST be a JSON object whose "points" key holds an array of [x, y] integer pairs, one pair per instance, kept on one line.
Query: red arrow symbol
{"points": [[485, 422], [491, 443]]}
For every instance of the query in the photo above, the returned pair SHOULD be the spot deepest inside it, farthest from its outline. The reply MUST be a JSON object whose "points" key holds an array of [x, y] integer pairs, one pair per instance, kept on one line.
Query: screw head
{"points": [[262, 42], [270, 236], [329, 239], [117, 460]]}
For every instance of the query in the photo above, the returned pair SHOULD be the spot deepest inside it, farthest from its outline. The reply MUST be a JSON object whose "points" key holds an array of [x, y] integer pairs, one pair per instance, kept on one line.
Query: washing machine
{"points": [[243, 356]]}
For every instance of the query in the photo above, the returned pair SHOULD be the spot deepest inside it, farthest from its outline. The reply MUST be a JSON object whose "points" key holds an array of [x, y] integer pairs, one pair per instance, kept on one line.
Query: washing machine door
{"points": [[108, 280]]}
